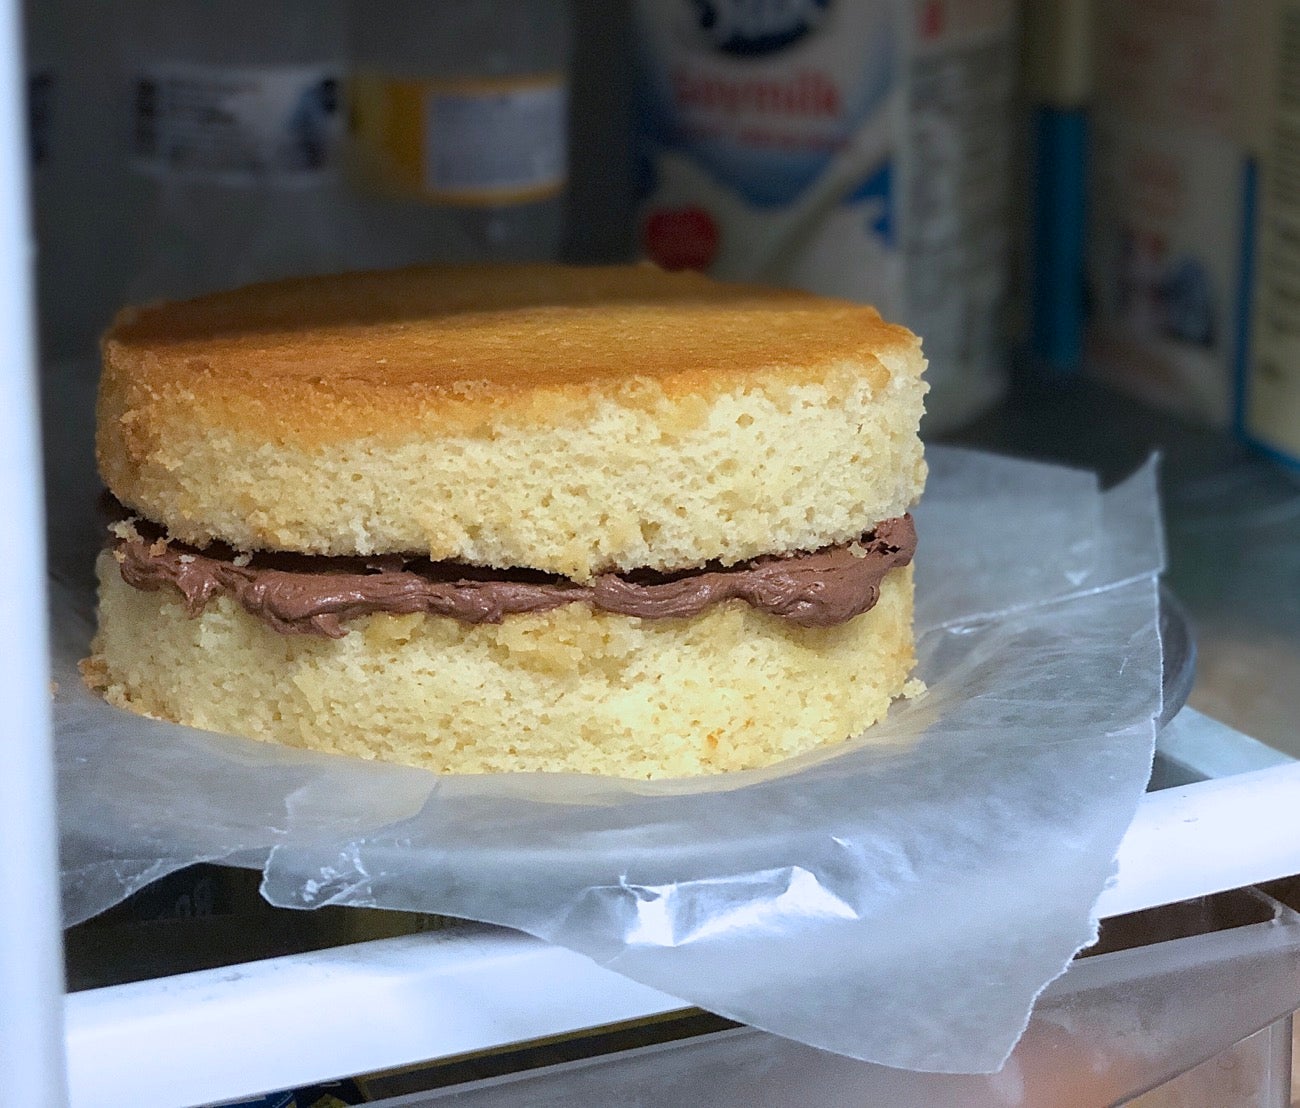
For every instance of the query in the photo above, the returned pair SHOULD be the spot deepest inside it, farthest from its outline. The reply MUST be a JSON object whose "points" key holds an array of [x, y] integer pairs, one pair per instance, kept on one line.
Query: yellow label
{"points": [[481, 141]]}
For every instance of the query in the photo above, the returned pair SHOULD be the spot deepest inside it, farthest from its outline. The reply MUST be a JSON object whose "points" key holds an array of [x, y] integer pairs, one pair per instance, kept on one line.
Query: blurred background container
{"points": [[233, 129], [1179, 94], [1268, 398], [460, 120]]}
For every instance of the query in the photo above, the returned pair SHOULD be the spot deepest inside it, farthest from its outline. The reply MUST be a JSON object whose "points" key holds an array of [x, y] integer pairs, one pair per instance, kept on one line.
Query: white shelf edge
{"points": [[1208, 837], [239, 1031]]}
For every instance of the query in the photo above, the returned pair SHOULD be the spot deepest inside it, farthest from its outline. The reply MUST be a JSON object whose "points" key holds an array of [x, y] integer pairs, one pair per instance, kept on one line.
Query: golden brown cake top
{"points": [[567, 420], [491, 334]]}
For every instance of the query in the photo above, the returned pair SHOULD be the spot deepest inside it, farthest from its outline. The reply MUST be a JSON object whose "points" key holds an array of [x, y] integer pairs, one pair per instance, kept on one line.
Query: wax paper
{"points": [[900, 898]]}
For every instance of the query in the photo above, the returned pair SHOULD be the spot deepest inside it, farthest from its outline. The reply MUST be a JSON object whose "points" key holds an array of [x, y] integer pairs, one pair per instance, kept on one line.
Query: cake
{"points": [[481, 519]]}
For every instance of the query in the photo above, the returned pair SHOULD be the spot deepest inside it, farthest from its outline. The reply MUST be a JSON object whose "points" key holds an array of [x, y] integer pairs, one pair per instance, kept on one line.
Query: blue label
{"points": [[750, 28], [876, 192], [765, 127]]}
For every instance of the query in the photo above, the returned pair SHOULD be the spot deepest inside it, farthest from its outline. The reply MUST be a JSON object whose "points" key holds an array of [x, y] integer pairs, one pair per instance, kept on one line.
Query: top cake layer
{"points": [[571, 420]]}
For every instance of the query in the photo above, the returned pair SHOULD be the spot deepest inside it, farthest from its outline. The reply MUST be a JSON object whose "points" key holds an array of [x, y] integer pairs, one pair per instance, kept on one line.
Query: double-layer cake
{"points": [[477, 519]]}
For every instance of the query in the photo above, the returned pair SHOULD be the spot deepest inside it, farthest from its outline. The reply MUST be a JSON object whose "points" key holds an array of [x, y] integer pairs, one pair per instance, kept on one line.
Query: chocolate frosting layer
{"points": [[301, 594]]}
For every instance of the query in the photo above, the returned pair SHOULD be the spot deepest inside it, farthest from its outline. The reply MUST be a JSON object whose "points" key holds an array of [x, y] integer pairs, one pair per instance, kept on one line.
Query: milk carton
{"points": [[856, 148]]}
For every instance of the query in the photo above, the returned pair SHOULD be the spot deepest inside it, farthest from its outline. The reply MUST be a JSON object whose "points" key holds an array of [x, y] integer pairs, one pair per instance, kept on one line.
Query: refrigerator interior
{"points": [[195, 991]]}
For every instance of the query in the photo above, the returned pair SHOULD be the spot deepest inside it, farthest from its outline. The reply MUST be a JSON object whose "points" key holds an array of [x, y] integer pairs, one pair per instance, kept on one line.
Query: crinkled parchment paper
{"points": [[901, 900]]}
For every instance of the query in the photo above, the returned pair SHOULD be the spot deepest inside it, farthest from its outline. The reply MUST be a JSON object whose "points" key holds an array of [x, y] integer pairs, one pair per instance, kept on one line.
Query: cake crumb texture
{"points": [[569, 689], [564, 419]]}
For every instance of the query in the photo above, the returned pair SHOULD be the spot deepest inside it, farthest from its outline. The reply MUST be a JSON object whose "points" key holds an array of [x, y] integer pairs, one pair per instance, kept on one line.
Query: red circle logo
{"points": [[680, 238]]}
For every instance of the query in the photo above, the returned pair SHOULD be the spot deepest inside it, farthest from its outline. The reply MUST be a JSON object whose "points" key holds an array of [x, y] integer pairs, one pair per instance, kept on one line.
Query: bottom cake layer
{"points": [[567, 689]]}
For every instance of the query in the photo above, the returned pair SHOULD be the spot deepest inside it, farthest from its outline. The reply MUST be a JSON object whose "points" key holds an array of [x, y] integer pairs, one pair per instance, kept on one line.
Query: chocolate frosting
{"points": [[301, 594]]}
